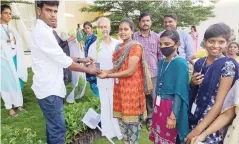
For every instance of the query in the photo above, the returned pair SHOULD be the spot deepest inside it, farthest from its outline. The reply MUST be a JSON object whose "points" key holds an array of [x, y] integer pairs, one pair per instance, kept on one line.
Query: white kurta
{"points": [[110, 125], [10, 86]]}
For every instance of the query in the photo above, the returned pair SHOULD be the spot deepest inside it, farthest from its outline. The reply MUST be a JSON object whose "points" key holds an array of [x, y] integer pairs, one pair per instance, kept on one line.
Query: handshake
{"points": [[91, 66]]}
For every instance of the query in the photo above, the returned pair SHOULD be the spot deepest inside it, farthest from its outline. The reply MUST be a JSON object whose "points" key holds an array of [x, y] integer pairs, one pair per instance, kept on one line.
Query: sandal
{"points": [[13, 113], [21, 109], [148, 124]]}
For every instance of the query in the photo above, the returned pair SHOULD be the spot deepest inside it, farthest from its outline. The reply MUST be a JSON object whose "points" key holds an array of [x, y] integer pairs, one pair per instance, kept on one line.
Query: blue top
{"points": [[88, 41], [173, 84], [205, 95]]}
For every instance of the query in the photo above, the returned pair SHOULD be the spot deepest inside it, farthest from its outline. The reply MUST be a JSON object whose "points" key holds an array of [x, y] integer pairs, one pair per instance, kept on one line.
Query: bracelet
{"points": [[106, 76]]}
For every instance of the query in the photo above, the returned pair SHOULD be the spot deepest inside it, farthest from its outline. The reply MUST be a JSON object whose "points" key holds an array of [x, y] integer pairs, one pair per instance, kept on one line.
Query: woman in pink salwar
{"points": [[194, 36]]}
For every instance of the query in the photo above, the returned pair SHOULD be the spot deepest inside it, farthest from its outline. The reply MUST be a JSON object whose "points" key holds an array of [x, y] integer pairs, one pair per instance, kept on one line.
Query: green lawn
{"points": [[29, 127]]}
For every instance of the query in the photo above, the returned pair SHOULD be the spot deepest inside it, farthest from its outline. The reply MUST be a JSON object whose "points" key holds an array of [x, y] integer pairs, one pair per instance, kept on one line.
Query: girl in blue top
{"points": [[170, 117]]}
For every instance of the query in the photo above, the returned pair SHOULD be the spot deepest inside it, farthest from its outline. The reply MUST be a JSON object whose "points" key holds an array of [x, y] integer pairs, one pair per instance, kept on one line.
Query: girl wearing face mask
{"points": [[213, 77], [170, 118], [233, 51], [131, 82]]}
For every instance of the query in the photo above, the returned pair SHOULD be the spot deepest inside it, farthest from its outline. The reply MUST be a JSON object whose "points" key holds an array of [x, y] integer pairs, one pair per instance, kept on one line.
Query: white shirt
{"points": [[104, 57], [48, 61]]}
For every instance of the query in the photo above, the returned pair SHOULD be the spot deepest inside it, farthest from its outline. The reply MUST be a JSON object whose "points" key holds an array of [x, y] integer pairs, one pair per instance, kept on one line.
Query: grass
{"points": [[32, 119], [29, 127]]}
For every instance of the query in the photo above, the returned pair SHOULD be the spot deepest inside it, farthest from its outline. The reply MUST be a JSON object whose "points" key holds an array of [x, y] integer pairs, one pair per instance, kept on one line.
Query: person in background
{"points": [[212, 78], [63, 44], [186, 48], [194, 35], [132, 81], [103, 57], [170, 117], [233, 51], [150, 43], [13, 66], [80, 36], [200, 54], [90, 39], [232, 132], [48, 61]]}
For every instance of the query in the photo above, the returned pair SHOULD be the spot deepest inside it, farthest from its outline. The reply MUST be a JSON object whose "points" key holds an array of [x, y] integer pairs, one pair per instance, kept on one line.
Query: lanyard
{"points": [[162, 73], [204, 74], [6, 31]]}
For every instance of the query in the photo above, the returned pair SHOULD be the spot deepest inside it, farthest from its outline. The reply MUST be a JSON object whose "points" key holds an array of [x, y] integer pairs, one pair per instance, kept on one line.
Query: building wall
{"points": [[226, 11], [75, 16]]}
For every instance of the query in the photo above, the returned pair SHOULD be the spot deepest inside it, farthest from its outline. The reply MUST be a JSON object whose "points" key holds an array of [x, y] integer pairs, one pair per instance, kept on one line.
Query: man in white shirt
{"points": [[48, 61]]}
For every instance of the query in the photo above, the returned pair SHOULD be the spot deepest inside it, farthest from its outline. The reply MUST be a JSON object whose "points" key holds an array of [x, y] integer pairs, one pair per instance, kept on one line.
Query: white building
{"points": [[69, 16], [226, 11]]}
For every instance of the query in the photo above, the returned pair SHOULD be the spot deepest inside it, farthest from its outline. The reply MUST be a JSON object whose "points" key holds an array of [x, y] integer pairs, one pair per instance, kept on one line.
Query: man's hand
{"points": [[91, 65], [87, 60], [71, 38], [75, 59]]}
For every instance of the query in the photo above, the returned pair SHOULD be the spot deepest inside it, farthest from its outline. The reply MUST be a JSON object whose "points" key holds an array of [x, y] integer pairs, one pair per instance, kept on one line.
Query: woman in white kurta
{"points": [[233, 131], [103, 56], [13, 68]]}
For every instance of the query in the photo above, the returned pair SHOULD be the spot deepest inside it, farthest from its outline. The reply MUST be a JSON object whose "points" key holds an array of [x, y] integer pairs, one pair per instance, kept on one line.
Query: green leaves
{"points": [[13, 135], [99, 39], [74, 113], [188, 13]]}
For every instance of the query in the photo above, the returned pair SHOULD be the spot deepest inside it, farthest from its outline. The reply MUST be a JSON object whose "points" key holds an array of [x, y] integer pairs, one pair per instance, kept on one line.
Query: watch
{"points": [[78, 61]]}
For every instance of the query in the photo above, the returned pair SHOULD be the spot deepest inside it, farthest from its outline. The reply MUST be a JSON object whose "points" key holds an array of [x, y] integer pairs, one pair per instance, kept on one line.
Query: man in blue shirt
{"points": [[186, 48]]}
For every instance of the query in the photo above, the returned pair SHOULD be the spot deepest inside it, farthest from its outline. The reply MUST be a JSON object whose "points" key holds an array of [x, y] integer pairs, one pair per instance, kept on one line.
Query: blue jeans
{"points": [[52, 109]]}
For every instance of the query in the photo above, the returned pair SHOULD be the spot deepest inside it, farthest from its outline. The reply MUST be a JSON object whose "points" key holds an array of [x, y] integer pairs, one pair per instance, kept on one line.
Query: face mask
{"points": [[167, 51]]}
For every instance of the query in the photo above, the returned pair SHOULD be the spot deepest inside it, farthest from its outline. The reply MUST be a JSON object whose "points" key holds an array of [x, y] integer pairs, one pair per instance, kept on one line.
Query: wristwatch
{"points": [[78, 61]]}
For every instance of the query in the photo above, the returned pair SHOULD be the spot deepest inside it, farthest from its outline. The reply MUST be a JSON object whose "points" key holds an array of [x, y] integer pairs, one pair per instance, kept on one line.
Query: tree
{"points": [[188, 13], [9, 2]]}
